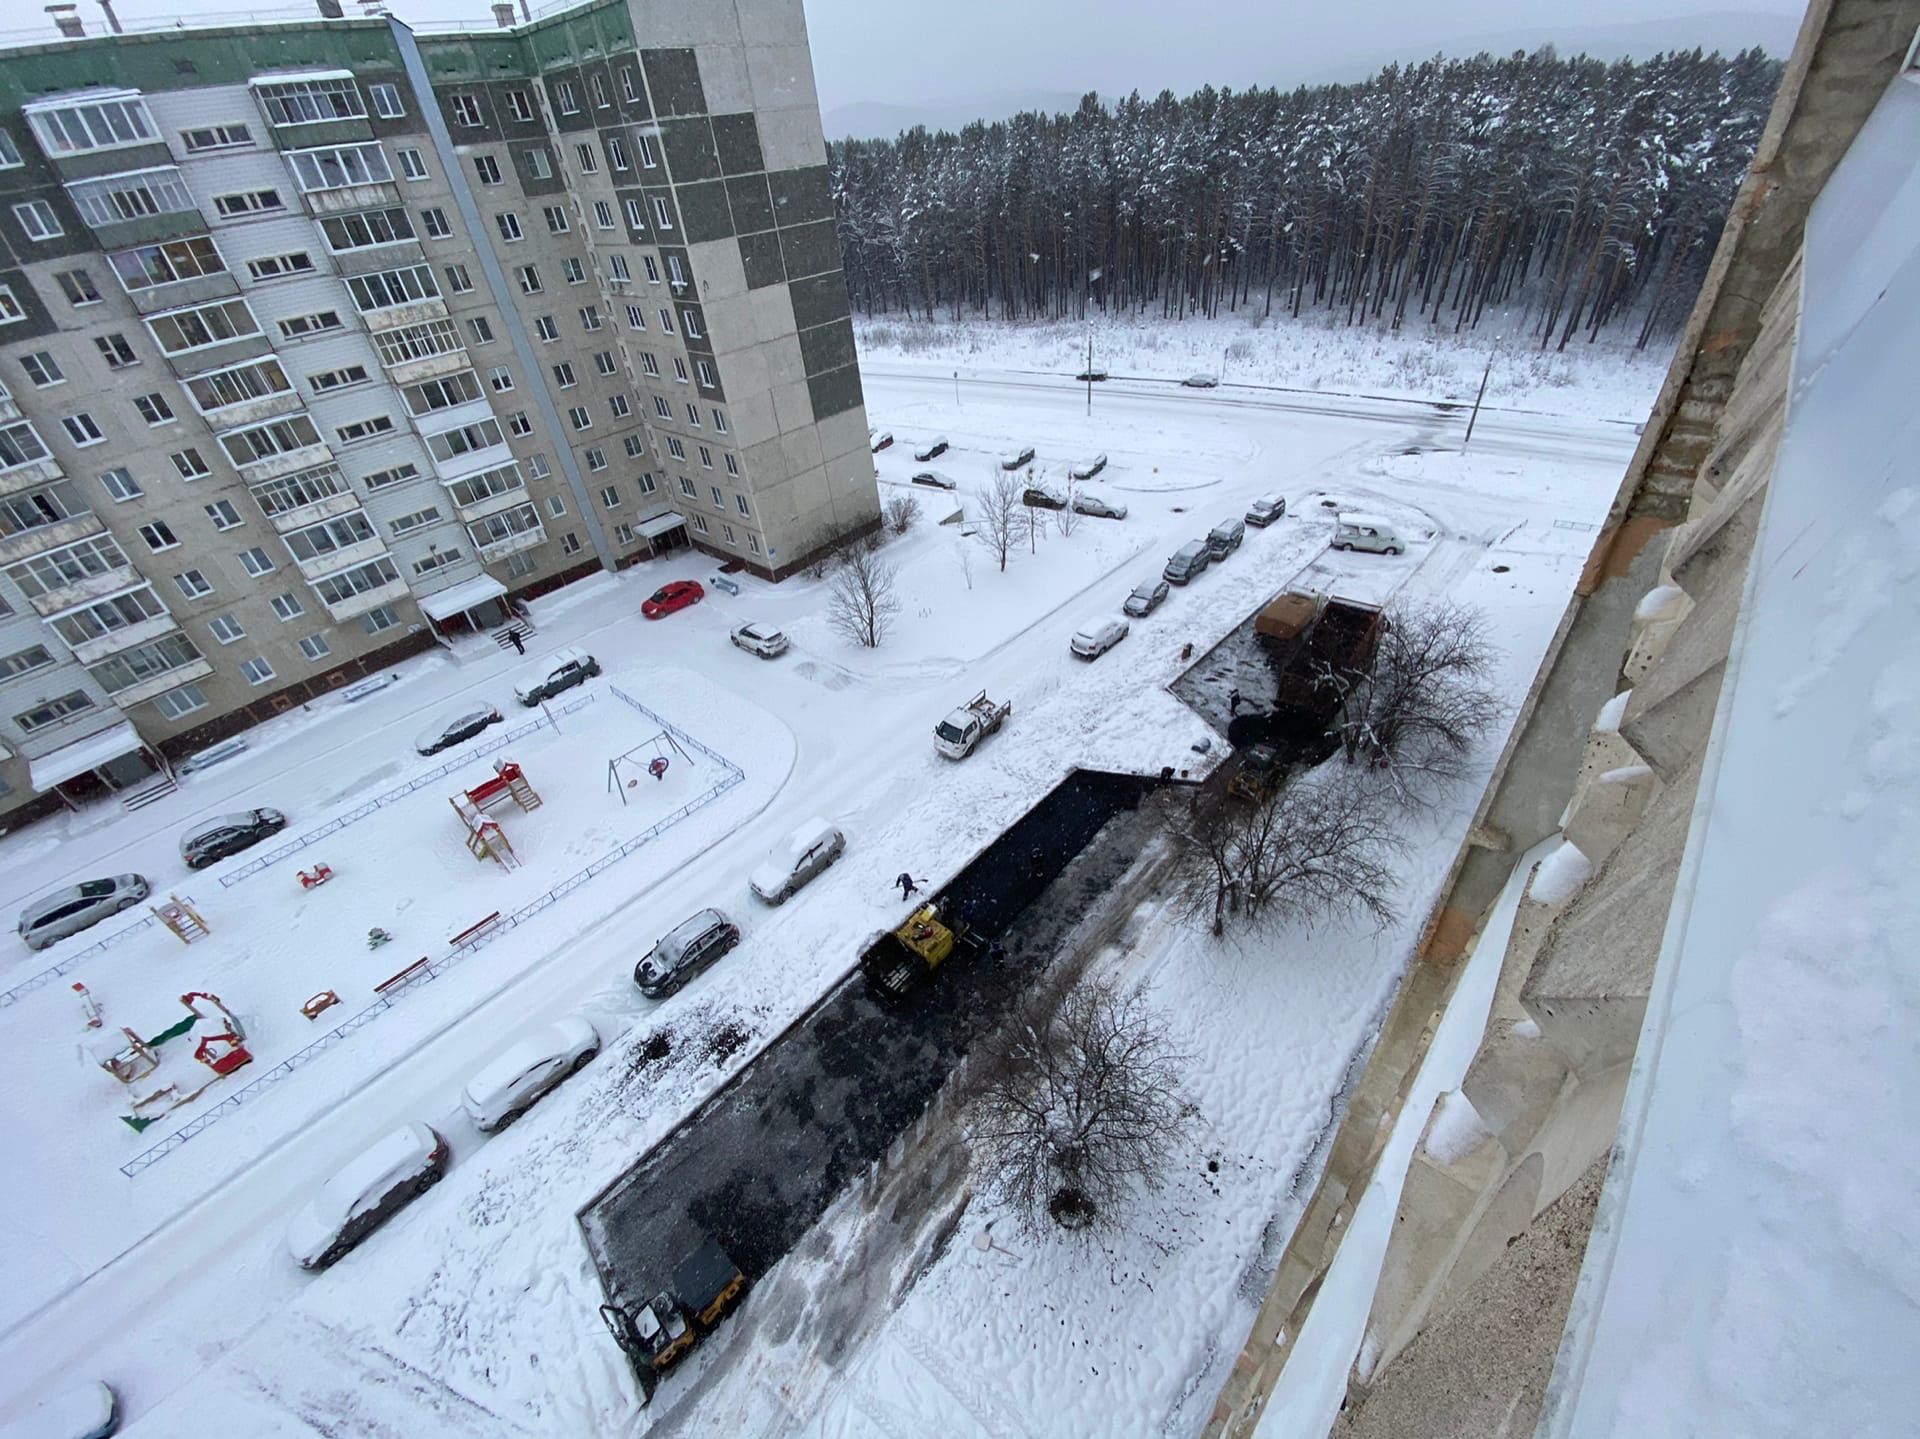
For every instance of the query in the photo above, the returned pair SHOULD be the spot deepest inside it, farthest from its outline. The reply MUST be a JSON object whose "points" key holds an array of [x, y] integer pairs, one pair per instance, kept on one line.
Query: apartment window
{"points": [[177, 704], [620, 407], [519, 105], [603, 214], [386, 101], [646, 484], [414, 521], [623, 534], [387, 288], [315, 323], [679, 370], [442, 394], [719, 500], [596, 459], [215, 137], [653, 270], [589, 158], [280, 267], [522, 563], [154, 409], [556, 217], [50, 712], [193, 584], [649, 158], [617, 269], [334, 167], [36, 217], [690, 323], [337, 589], [178, 331], [367, 429], [500, 379], [42, 369], [114, 199], [109, 616], [368, 227], [740, 504], [706, 458], [649, 364], [256, 562], [77, 286], [563, 375], [248, 202], [508, 224], [115, 350], [519, 425], [81, 429], [604, 362], [465, 439], [9, 153], [487, 168], [726, 532], [610, 497], [276, 437], [589, 317], [146, 266], [102, 125], [10, 311], [257, 671], [224, 515], [677, 449], [563, 98], [482, 329], [68, 565], [20, 445], [385, 617], [629, 88], [662, 408], [338, 379], [733, 465], [315, 647], [662, 217], [617, 153], [636, 318], [189, 464], [666, 322], [120, 485], [412, 164], [458, 280], [381, 479], [636, 215], [538, 164], [306, 102], [434, 221], [136, 666], [226, 629], [475, 489], [465, 111], [576, 274], [556, 507], [529, 278], [634, 447], [288, 606], [597, 85], [705, 371], [159, 536], [578, 417], [545, 328], [537, 467], [719, 422], [700, 523]]}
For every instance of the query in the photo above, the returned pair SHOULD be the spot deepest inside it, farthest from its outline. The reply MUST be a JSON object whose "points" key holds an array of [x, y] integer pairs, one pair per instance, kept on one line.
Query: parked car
{"points": [[935, 479], [87, 1410], [1224, 538], [508, 1085], [1265, 510], [1097, 638], [808, 850], [1014, 459], [759, 639], [1187, 562], [1201, 382], [562, 670], [365, 1193], [673, 595], [215, 839], [1099, 508], [1367, 532], [455, 726], [1087, 469], [1147, 597], [1042, 499], [879, 439], [1088, 376], [932, 449], [68, 911], [684, 951]]}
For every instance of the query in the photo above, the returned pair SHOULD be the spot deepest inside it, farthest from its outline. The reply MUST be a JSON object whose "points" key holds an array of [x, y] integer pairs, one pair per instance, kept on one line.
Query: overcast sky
{"points": [[911, 52]]}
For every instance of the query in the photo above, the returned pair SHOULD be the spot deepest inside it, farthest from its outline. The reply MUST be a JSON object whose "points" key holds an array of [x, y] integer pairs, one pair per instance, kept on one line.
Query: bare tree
{"points": [[861, 603], [1082, 1105], [1068, 519], [963, 556], [1000, 511], [1427, 699], [1321, 846], [902, 511]]}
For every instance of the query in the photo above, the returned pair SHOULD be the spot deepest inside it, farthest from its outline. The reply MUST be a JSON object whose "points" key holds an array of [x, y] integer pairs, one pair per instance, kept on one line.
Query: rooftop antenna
{"points": [[113, 20]]}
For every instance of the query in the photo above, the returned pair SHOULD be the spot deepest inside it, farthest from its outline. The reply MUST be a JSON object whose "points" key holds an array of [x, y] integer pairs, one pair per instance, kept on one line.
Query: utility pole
{"points": [[1476, 401], [1089, 372], [956, 389]]}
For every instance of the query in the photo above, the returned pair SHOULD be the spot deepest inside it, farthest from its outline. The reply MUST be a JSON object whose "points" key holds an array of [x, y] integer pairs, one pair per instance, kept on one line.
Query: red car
{"points": [[675, 595]]}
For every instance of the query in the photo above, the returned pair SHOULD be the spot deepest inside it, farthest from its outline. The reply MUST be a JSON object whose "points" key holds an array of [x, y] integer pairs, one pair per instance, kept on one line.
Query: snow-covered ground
{"points": [[475, 1310]]}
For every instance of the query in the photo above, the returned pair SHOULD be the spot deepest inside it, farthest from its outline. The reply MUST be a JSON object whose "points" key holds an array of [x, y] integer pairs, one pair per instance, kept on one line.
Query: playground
{"points": [[426, 905]]}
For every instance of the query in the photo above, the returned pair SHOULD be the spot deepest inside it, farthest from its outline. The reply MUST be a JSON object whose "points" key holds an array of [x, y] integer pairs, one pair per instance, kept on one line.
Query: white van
{"points": [[1367, 532]]}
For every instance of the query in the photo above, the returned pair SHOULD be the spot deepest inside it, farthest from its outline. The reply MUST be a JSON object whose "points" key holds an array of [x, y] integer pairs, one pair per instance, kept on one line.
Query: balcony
{"points": [[378, 194], [272, 467], [177, 294], [367, 600], [95, 650], [311, 514], [9, 411], [491, 505], [159, 684], [248, 412], [346, 558], [370, 259], [22, 543], [427, 367], [514, 543], [415, 312], [93, 587], [31, 475]]}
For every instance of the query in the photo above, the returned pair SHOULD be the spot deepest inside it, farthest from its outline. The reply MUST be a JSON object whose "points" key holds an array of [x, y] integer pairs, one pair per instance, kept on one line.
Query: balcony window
{"points": [[144, 662], [338, 589], [145, 266], [113, 199], [337, 166], [303, 487], [330, 536], [179, 331], [69, 565], [103, 124], [308, 102]]}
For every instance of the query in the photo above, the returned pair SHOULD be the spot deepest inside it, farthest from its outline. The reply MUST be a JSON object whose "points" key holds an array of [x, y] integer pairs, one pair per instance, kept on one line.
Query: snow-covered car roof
{"points": [[560, 1037], [1355, 517], [1098, 629], [754, 629], [317, 1223], [452, 719]]}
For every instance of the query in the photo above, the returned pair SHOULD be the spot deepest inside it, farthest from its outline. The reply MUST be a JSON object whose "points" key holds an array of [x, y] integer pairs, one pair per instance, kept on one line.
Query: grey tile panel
{"points": [[703, 211], [751, 203], [834, 392], [810, 249], [737, 137], [690, 149], [800, 197], [827, 347], [819, 300], [760, 259], [673, 79]]}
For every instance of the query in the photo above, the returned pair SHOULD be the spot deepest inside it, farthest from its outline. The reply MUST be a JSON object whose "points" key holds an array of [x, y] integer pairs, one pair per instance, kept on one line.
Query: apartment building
{"points": [[320, 341]]}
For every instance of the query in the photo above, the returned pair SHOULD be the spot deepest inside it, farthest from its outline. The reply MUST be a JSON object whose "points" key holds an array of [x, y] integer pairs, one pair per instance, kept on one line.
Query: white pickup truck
{"points": [[957, 734]]}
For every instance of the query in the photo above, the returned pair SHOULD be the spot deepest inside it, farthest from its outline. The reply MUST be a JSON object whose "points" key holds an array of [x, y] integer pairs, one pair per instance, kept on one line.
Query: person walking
{"points": [[519, 645], [1233, 702], [908, 889]]}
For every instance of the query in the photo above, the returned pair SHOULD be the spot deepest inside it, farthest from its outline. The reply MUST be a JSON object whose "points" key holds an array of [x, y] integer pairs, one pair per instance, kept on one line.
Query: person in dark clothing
{"points": [[519, 645], [1233, 702], [908, 889]]}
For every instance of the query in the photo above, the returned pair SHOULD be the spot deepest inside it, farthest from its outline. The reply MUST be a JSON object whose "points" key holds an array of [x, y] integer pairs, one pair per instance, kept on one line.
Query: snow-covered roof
{"points": [[467, 595], [659, 525], [74, 760]]}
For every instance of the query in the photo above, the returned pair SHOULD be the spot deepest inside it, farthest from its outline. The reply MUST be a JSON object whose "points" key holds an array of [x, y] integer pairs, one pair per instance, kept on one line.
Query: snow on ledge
{"points": [[1457, 1129], [1559, 875], [1612, 712]]}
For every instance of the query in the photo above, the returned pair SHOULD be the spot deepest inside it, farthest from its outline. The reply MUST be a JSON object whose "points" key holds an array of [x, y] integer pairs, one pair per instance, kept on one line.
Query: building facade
{"points": [[320, 339]]}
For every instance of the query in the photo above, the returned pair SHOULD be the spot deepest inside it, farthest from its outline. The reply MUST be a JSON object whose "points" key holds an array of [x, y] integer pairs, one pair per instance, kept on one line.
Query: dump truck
{"points": [[957, 734], [706, 1284], [899, 960], [1258, 775]]}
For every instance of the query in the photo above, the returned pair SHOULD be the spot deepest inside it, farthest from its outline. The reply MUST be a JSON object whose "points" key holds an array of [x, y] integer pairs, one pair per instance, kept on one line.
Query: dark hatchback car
{"points": [[684, 951], [228, 834]]}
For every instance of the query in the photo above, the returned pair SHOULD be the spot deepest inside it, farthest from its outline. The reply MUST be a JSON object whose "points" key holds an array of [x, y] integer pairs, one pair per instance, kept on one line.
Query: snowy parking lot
{"points": [[474, 1312]]}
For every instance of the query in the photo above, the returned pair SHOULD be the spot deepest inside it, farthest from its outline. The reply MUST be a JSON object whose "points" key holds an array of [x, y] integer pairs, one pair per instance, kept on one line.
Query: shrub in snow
{"points": [[902, 511], [1428, 698], [861, 603]]}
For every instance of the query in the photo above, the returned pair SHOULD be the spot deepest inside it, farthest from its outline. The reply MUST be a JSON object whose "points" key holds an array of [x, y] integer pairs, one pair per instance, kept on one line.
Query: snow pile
{"points": [[1457, 1129], [1557, 876], [1662, 602], [1612, 712]]}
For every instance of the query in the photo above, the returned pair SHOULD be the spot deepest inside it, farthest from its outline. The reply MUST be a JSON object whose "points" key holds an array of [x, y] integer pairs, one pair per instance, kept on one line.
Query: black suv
{"points": [[229, 834], [687, 949]]}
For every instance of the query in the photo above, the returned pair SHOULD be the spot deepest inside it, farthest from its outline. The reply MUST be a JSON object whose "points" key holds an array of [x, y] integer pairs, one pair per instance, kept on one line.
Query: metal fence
{"points": [[731, 775], [11, 997]]}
